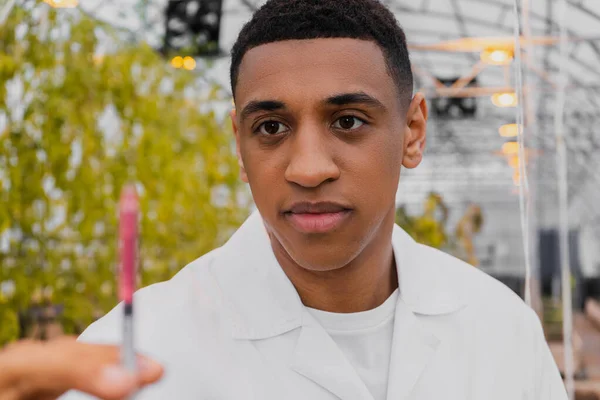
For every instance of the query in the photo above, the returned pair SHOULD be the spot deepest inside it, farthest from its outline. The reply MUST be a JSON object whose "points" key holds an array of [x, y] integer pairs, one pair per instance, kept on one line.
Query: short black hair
{"points": [[279, 20]]}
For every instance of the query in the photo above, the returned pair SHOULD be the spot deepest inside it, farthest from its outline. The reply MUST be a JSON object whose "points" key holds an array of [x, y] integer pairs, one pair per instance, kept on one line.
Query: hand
{"points": [[45, 370]]}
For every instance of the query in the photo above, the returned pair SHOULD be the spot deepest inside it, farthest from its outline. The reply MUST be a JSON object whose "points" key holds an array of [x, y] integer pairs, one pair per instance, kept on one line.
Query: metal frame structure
{"points": [[458, 150]]}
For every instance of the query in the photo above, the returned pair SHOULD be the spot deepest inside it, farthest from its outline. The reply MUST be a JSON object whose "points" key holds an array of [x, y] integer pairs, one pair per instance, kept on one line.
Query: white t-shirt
{"points": [[366, 340]]}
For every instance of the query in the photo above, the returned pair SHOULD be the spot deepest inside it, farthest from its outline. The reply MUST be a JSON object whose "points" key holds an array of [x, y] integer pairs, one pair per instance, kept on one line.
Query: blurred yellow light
{"points": [[62, 3], [505, 99], [509, 130], [189, 63], [510, 148], [517, 178], [497, 56], [513, 161], [177, 62]]}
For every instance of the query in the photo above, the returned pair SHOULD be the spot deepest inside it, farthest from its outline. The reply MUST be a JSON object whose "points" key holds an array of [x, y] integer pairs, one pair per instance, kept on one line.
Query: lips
{"points": [[319, 217]]}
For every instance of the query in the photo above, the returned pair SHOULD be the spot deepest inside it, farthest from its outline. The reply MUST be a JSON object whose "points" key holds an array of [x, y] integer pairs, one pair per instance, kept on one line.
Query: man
{"points": [[319, 295]]}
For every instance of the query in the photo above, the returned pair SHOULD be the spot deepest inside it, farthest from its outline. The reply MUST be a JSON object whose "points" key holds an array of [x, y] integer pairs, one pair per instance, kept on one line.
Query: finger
{"points": [[58, 366], [65, 364], [149, 371], [114, 383], [102, 376]]}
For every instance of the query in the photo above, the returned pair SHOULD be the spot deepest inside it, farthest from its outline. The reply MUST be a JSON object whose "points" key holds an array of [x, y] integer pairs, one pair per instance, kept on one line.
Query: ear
{"points": [[236, 131], [415, 132]]}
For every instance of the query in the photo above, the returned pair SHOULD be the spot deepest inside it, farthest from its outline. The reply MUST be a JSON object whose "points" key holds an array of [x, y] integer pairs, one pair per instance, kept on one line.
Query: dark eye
{"points": [[348, 123], [271, 128]]}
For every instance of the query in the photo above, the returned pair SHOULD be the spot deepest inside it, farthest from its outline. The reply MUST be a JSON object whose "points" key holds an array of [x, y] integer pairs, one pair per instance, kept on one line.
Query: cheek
{"points": [[393, 152], [264, 172], [376, 163]]}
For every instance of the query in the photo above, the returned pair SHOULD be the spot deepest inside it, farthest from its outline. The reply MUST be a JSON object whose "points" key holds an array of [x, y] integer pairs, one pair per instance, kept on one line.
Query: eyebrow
{"points": [[335, 100], [354, 98], [261, 105]]}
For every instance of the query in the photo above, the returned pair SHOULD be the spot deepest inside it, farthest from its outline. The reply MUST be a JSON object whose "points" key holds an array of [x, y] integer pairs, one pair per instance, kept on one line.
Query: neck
{"points": [[362, 284]]}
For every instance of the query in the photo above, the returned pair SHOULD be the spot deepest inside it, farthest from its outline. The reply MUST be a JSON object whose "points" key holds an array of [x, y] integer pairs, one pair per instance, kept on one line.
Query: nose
{"points": [[311, 160]]}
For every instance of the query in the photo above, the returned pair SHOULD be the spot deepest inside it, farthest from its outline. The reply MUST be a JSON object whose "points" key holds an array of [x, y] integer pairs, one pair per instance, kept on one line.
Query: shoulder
{"points": [[160, 306], [492, 316], [478, 290], [175, 292]]}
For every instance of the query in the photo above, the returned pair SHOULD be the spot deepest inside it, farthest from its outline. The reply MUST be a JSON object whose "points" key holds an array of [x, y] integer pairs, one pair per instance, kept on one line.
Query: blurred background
{"points": [[98, 93]]}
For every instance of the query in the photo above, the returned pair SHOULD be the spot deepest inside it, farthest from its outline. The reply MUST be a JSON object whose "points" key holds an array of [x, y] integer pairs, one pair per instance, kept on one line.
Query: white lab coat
{"points": [[231, 326]]}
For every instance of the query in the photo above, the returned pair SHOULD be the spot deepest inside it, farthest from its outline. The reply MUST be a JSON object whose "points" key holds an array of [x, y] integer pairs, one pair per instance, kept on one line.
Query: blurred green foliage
{"points": [[429, 228], [75, 125]]}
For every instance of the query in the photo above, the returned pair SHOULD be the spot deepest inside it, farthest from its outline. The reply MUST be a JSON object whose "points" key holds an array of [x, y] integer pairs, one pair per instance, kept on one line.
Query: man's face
{"points": [[321, 135]]}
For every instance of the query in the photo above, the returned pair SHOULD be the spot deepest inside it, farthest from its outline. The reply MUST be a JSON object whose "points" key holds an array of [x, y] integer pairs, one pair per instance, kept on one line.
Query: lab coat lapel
{"points": [[318, 358], [260, 300], [426, 288], [412, 348]]}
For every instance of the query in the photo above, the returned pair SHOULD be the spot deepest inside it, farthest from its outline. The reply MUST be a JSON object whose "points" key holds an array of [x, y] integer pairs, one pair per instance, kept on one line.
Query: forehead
{"points": [[310, 70]]}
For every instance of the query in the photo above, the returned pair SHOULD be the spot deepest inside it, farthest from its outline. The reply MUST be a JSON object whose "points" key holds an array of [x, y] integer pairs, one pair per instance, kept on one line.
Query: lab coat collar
{"points": [[262, 302], [259, 298], [318, 358]]}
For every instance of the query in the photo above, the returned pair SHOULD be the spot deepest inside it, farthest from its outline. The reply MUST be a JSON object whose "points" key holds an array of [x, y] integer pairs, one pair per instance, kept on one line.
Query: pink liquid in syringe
{"points": [[128, 237]]}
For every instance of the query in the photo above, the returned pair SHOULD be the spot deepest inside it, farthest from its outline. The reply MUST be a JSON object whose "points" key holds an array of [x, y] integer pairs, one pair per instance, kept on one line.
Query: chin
{"points": [[321, 254], [324, 260]]}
